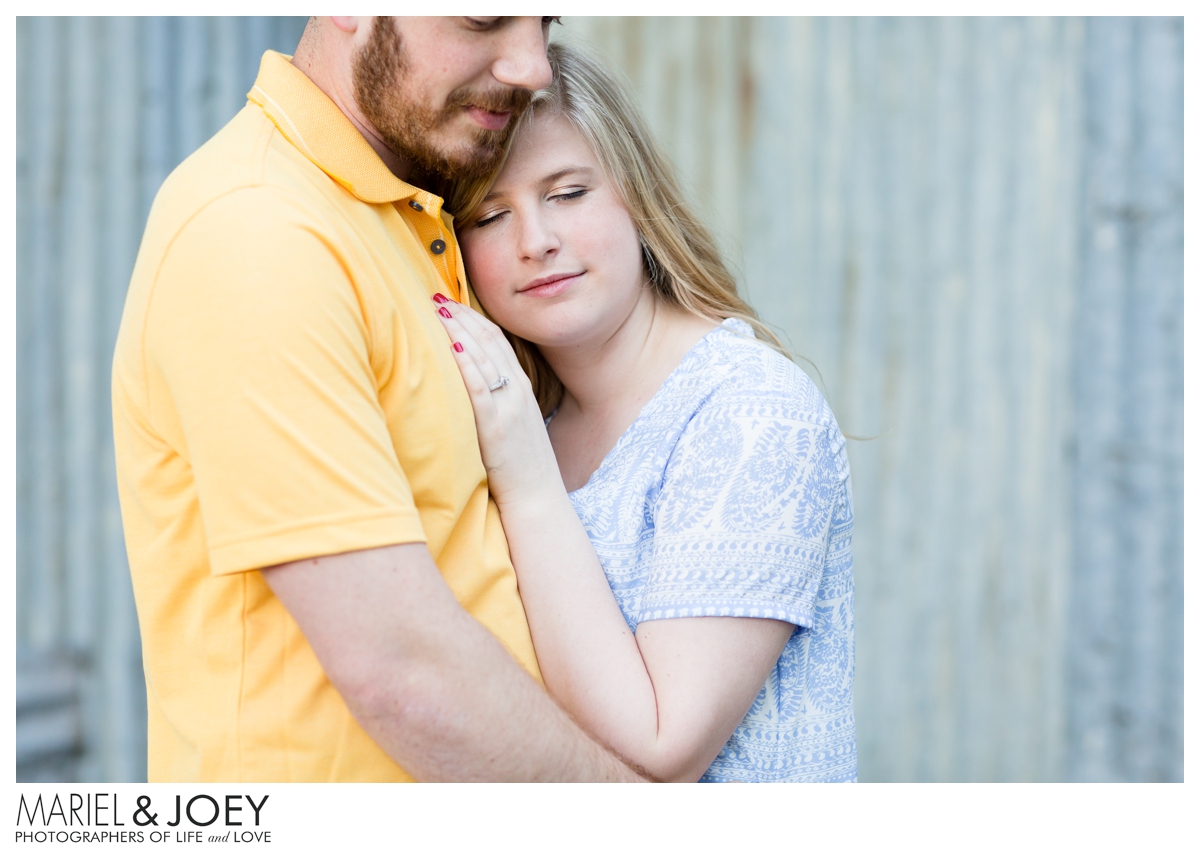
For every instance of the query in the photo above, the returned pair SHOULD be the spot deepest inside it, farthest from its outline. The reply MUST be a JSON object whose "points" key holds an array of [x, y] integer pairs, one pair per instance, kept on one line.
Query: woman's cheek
{"points": [[477, 260], [485, 276]]}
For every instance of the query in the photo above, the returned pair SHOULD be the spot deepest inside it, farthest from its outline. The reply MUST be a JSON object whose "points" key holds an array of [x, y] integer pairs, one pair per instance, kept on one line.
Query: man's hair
{"points": [[679, 256]]}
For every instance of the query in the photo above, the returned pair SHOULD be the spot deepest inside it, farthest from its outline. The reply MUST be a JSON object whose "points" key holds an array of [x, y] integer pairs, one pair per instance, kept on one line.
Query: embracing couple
{"points": [[601, 532]]}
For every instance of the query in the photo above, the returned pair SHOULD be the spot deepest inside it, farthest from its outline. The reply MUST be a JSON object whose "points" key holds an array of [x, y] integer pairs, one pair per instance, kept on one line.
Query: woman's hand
{"points": [[667, 699], [516, 449]]}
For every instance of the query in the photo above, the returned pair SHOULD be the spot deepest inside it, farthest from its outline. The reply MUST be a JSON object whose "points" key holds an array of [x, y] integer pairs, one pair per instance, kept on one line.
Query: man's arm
{"points": [[426, 681]]}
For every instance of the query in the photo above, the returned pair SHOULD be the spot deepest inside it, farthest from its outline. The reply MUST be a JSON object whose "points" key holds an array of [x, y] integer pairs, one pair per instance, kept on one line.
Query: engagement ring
{"points": [[499, 384]]}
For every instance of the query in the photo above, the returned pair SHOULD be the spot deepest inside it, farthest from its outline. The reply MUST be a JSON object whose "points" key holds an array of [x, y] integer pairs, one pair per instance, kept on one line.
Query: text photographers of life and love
{"points": [[108, 818]]}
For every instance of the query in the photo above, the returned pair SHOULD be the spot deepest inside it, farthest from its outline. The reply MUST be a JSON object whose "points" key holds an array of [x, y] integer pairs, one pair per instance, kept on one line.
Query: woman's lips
{"points": [[486, 118], [550, 286]]}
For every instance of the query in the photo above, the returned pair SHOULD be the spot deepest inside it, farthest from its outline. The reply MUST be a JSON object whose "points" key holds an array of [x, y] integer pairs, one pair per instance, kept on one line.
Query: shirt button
{"points": [[415, 205], [438, 246]]}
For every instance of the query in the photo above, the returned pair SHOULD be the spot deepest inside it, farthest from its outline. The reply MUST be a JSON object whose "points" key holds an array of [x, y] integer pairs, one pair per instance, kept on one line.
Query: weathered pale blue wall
{"points": [[106, 108], [972, 227], [1125, 633]]}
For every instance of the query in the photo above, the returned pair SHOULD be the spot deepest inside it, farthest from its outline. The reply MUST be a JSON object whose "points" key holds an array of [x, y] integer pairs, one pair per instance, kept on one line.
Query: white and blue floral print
{"points": [[730, 495]]}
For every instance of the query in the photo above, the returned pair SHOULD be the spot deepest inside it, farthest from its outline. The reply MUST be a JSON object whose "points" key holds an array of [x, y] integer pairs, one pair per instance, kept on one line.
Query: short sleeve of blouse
{"points": [[742, 521]]}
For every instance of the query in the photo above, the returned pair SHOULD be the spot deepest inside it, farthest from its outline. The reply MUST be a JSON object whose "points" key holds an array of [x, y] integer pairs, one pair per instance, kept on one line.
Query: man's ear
{"points": [[347, 24]]}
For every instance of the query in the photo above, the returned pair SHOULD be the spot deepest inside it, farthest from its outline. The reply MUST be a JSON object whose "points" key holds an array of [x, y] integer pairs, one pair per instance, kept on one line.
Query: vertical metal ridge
{"points": [[1126, 710]]}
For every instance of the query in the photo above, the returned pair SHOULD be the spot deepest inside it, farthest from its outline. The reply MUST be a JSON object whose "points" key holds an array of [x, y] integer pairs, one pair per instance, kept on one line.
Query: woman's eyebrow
{"points": [[562, 173]]}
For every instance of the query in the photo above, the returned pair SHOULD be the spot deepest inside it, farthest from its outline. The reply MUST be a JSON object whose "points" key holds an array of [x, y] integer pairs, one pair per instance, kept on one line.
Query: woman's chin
{"points": [[553, 330], [554, 341]]}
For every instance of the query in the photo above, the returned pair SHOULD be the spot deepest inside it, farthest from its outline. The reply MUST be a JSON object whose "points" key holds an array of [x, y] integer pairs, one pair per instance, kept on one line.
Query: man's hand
{"points": [[426, 681]]}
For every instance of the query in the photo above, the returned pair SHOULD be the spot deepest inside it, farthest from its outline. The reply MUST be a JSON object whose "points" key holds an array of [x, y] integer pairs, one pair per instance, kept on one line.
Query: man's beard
{"points": [[409, 127]]}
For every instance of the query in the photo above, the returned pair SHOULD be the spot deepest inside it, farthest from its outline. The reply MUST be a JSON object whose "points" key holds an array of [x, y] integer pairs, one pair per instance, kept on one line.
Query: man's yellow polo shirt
{"points": [[282, 389]]}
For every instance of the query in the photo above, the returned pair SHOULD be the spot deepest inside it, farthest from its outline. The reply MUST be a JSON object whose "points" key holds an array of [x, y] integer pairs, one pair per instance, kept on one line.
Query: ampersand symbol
{"points": [[143, 809]]}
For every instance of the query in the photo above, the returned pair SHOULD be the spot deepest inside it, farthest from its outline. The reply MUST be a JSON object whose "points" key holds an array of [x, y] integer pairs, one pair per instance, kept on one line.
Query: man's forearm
{"points": [[426, 681], [476, 716]]}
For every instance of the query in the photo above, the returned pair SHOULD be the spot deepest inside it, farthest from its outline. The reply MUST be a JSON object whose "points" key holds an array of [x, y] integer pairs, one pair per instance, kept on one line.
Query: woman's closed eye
{"points": [[575, 193], [488, 219], [565, 195]]}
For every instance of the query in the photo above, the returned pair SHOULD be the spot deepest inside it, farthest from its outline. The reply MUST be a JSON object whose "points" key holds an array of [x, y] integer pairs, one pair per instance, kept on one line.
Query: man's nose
{"points": [[522, 63]]}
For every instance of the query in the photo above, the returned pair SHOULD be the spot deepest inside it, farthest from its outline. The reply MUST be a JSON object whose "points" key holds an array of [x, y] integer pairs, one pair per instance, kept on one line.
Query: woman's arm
{"points": [[667, 699]]}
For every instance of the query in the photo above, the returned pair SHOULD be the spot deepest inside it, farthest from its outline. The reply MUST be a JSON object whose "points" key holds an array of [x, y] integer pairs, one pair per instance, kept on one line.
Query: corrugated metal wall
{"points": [[1125, 633], [972, 227], [106, 108]]}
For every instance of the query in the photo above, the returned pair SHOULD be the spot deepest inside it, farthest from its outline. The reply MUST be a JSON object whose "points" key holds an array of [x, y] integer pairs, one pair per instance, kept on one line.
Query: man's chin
{"points": [[469, 162], [458, 150], [467, 146]]}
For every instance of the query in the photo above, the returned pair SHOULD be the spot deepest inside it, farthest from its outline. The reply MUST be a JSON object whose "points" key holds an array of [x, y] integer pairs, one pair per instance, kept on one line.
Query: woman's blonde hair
{"points": [[680, 257]]}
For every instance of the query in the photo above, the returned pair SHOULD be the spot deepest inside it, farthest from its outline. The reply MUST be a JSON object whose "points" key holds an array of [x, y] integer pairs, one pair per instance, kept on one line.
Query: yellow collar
{"points": [[314, 125]]}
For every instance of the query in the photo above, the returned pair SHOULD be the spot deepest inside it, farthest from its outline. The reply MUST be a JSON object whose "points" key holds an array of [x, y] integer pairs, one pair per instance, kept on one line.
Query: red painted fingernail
{"points": [[457, 347], [444, 312], [438, 298]]}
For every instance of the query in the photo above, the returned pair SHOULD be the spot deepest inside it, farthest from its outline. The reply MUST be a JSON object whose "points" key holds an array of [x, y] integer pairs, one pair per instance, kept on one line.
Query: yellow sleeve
{"points": [[261, 369]]}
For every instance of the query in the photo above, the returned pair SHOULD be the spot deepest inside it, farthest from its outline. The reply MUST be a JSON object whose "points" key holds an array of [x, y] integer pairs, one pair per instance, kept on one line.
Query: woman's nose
{"points": [[538, 239]]}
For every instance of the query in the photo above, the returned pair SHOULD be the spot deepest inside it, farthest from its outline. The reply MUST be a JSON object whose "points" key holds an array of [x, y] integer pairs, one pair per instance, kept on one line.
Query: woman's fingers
{"points": [[488, 337], [483, 340], [476, 367], [475, 380], [474, 364], [512, 435]]}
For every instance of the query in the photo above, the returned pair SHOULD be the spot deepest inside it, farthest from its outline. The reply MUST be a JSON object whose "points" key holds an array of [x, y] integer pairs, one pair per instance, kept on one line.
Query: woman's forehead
{"points": [[547, 145]]}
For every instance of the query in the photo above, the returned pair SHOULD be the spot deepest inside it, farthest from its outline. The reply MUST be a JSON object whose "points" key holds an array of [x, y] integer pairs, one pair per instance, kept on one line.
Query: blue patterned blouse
{"points": [[730, 495]]}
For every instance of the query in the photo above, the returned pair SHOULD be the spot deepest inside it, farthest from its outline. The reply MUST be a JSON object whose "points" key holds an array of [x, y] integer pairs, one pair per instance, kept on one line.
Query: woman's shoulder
{"points": [[755, 377]]}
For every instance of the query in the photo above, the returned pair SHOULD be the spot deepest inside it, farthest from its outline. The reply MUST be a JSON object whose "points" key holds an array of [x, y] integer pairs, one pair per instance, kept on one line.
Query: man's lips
{"points": [[549, 286], [488, 119]]}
